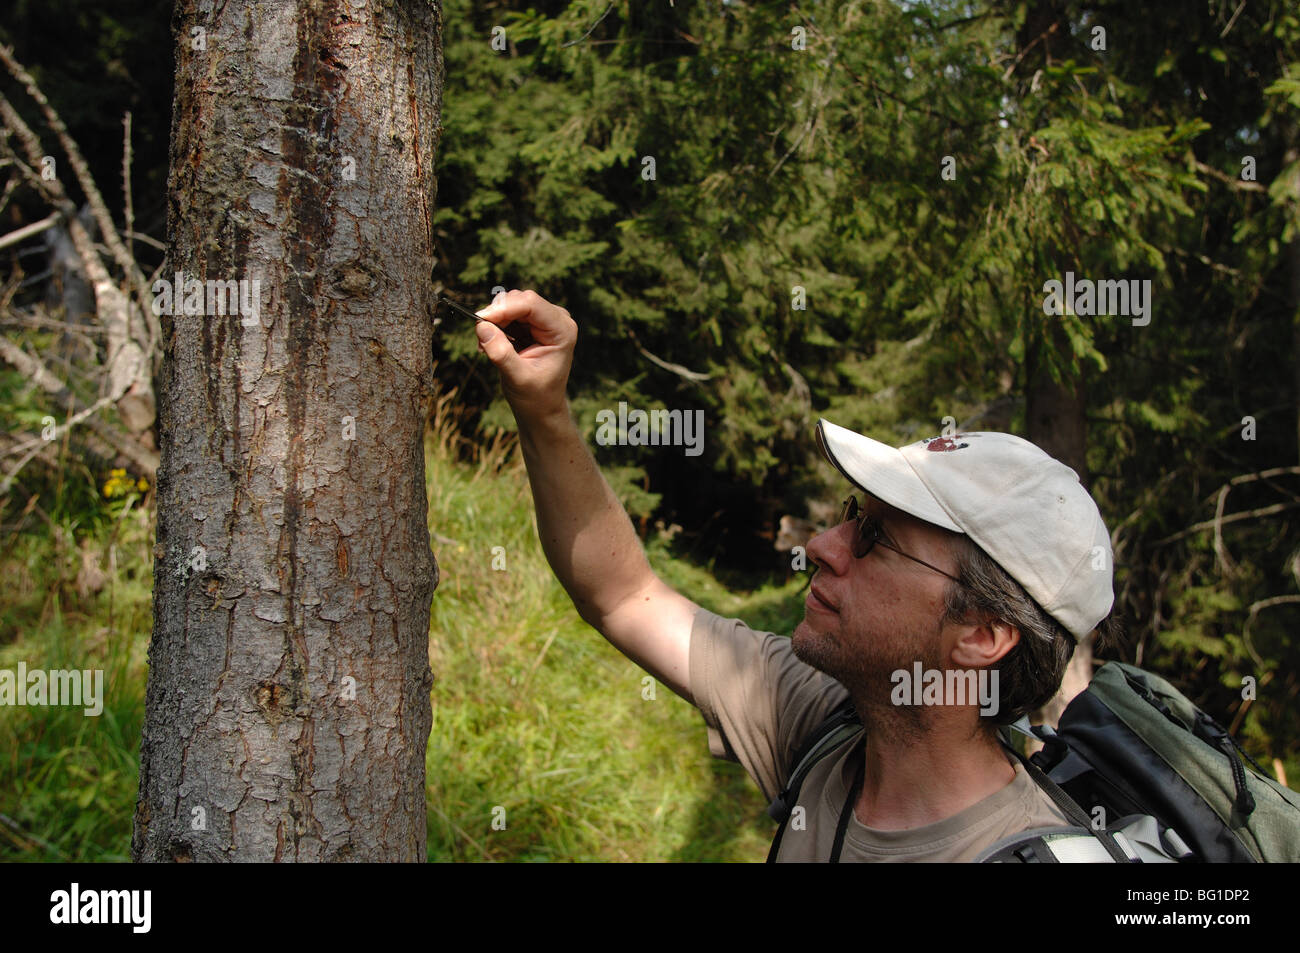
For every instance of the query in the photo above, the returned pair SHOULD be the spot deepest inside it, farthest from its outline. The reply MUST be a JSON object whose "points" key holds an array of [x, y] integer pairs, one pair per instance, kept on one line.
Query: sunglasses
{"points": [[869, 532]]}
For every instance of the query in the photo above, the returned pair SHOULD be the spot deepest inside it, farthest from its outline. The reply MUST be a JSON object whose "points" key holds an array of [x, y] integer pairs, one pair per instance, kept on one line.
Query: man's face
{"points": [[866, 618]]}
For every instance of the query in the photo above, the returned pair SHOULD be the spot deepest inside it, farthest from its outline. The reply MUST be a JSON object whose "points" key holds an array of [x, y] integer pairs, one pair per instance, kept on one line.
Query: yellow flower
{"points": [[118, 484]]}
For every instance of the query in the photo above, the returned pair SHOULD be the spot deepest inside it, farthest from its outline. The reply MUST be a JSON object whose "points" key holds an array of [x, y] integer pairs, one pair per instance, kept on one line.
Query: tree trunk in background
{"points": [[288, 701], [1054, 411], [1055, 416], [1291, 161]]}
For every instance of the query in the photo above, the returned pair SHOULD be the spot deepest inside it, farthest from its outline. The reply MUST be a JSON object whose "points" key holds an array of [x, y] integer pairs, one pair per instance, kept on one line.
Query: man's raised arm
{"points": [[587, 536]]}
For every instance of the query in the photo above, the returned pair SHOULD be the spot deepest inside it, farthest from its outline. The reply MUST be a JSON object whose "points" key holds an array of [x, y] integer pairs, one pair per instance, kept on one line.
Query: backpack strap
{"points": [[1070, 808], [1053, 845], [840, 725], [1144, 839]]}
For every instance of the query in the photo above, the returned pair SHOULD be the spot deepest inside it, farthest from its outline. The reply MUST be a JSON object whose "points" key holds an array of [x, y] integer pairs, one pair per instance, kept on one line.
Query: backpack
{"points": [[1142, 773]]}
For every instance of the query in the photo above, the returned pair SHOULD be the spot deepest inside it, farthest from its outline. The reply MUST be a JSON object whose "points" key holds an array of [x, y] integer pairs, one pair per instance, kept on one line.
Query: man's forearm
{"points": [[585, 532]]}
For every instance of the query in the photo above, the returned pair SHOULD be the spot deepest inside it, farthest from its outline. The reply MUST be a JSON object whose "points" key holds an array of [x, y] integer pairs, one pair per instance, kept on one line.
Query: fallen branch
{"points": [[143, 460], [93, 198], [133, 330]]}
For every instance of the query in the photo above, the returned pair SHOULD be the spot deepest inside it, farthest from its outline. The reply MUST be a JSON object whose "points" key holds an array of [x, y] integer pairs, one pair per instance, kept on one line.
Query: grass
{"points": [[68, 781], [539, 725]]}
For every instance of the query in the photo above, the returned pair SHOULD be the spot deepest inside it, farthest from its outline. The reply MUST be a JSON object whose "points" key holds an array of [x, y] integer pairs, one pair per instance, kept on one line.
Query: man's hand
{"points": [[586, 535], [533, 380]]}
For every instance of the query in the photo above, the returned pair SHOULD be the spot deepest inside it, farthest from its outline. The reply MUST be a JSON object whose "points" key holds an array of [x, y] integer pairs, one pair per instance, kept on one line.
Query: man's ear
{"points": [[980, 646]]}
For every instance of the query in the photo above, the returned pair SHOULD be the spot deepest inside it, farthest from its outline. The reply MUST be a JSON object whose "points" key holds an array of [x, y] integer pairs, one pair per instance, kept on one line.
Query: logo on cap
{"points": [[943, 444]]}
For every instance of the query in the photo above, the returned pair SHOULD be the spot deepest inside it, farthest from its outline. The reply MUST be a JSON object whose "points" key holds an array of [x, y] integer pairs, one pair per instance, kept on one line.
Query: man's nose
{"points": [[832, 548]]}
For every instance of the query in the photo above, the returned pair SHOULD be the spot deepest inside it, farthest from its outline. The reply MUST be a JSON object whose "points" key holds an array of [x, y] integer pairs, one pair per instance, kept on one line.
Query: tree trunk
{"points": [[288, 700], [1055, 414], [1291, 207], [1055, 411]]}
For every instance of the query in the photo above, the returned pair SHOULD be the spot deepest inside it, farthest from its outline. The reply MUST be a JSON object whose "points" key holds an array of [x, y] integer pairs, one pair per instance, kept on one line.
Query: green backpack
{"points": [[1143, 774]]}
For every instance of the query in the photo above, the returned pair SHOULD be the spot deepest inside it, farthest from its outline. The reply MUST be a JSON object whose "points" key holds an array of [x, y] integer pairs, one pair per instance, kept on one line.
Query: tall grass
{"points": [[77, 582], [546, 742]]}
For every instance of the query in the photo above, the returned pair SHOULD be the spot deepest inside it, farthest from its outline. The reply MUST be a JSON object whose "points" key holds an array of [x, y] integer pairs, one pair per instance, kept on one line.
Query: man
{"points": [[974, 561]]}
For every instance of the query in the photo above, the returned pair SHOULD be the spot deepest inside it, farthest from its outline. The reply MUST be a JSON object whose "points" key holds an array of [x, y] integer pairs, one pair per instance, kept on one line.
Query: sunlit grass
{"points": [[533, 712]]}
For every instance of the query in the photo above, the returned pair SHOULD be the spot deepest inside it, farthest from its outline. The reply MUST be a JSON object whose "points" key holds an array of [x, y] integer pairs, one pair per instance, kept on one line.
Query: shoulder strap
{"points": [[843, 722], [1070, 808], [1049, 845], [838, 726]]}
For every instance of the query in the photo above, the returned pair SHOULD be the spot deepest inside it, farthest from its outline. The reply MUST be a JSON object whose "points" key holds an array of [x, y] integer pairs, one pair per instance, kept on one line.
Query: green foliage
{"points": [[820, 169], [800, 244]]}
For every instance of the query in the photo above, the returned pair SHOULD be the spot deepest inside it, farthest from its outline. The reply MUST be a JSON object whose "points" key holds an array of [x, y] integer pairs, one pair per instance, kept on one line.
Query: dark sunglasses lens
{"points": [[863, 530]]}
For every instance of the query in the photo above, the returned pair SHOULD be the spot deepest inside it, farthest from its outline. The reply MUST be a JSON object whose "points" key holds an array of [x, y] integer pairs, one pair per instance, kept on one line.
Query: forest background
{"points": [[772, 212]]}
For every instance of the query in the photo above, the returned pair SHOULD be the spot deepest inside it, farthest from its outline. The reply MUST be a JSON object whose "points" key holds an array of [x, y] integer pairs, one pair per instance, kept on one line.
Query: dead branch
{"points": [[27, 231], [128, 207], [93, 198], [677, 369], [133, 331], [143, 460], [34, 445], [1220, 520], [1255, 609]]}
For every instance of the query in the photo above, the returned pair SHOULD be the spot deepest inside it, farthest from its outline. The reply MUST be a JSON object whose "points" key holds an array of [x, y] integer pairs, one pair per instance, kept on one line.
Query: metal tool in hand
{"points": [[517, 332]]}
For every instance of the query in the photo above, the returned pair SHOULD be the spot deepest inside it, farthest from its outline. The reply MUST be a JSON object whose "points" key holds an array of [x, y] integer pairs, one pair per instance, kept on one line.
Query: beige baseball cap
{"points": [[1024, 508]]}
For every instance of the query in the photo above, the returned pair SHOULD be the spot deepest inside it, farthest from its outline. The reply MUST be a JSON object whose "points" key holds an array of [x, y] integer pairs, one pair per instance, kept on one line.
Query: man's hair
{"points": [[1030, 674]]}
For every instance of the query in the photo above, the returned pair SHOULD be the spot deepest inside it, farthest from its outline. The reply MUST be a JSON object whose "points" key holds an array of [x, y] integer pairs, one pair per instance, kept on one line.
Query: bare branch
{"points": [[1230, 180], [1255, 609], [1233, 19], [27, 231], [34, 321], [132, 338], [592, 27], [1234, 518], [1220, 520], [147, 239], [128, 209], [143, 459], [1025, 52], [1220, 551], [34, 370], [1264, 475], [35, 445], [96, 201], [677, 369]]}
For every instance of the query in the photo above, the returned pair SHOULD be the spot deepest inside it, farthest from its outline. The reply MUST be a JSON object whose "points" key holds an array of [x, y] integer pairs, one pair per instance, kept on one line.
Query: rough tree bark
{"points": [[288, 699]]}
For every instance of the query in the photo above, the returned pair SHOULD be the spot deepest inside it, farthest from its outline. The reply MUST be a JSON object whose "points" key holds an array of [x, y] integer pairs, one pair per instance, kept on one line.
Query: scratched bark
{"points": [[317, 562]]}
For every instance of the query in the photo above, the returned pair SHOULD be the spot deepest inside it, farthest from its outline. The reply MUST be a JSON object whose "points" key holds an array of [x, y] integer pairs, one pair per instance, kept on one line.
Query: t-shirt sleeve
{"points": [[758, 701]]}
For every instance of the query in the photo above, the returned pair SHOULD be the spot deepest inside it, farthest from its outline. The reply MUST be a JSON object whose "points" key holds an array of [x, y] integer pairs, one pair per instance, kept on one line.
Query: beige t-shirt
{"points": [[760, 703]]}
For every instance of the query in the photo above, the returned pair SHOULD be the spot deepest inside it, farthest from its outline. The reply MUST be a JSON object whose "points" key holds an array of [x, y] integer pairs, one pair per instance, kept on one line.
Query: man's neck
{"points": [[911, 782]]}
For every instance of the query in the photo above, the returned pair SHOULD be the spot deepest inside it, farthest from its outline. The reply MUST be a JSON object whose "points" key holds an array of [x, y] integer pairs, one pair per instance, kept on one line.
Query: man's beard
{"points": [[865, 664]]}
